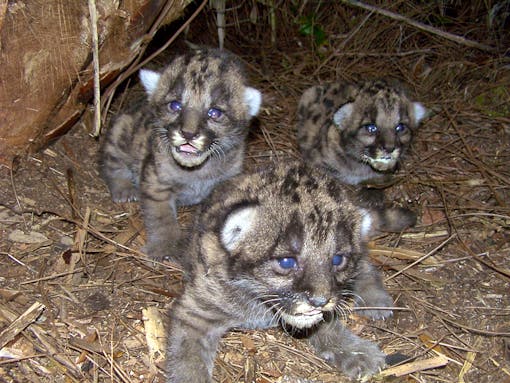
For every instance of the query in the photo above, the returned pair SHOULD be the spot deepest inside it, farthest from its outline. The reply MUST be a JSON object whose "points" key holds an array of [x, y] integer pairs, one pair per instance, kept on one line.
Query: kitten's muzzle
{"points": [[309, 313], [383, 160]]}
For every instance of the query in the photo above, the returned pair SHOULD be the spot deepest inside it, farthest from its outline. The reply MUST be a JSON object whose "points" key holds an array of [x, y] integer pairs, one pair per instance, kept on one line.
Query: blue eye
{"points": [[175, 106], [287, 263], [339, 260], [214, 113], [400, 128], [371, 128]]}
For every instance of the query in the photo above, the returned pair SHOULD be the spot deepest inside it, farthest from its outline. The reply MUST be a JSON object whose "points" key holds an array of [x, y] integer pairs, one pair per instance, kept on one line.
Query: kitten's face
{"points": [[292, 245], [201, 106], [377, 126]]}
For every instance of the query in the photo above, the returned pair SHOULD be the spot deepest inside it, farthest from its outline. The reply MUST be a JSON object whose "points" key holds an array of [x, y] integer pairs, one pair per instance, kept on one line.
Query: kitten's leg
{"points": [[193, 338], [114, 161], [356, 357], [369, 292], [160, 217], [392, 219]]}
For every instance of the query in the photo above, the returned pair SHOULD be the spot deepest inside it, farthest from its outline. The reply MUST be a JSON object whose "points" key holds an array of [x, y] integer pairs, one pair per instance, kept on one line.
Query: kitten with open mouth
{"points": [[174, 145]]}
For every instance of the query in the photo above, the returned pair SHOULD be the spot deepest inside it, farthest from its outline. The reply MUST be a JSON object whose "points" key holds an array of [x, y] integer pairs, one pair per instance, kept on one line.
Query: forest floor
{"points": [[80, 296]]}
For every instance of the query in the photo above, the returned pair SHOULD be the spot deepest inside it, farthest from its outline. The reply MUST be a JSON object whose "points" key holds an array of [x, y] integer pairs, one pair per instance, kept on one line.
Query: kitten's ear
{"points": [[419, 112], [237, 225], [253, 99], [149, 80], [342, 113]]}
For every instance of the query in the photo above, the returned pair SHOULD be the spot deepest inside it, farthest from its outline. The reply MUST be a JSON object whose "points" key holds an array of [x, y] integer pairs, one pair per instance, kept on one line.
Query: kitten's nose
{"points": [[318, 301], [188, 135], [389, 148]]}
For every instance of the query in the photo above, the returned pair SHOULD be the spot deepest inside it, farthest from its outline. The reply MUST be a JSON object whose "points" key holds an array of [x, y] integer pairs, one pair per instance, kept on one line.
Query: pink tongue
{"points": [[312, 312], [187, 148]]}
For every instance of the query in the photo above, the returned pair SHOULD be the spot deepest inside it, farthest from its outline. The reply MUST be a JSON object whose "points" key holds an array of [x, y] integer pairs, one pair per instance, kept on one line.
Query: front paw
{"points": [[123, 190], [158, 252], [379, 300], [359, 360]]}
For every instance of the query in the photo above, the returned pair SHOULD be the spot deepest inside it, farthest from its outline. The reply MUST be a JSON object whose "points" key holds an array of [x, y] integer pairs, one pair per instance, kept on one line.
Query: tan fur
{"points": [[246, 235], [332, 123], [172, 147]]}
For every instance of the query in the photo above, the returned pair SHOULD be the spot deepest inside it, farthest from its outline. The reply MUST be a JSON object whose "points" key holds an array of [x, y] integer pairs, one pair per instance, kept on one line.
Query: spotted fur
{"points": [[359, 132], [174, 145], [285, 246]]}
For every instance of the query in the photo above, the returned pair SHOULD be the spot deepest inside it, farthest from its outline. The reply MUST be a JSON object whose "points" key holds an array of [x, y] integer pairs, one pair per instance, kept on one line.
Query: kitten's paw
{"points": [[157, 253], [379, 299], [123, 191], [124, 196], [363, 360]]}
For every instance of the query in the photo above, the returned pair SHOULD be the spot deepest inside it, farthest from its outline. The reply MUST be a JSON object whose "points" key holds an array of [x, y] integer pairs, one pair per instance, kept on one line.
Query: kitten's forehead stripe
{"points": [[294, 233]]}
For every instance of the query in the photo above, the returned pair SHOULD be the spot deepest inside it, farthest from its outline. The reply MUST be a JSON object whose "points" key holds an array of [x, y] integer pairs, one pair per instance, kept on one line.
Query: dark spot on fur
{"points": [[312, 217], [293, 235], [328, 103], [315, 118], [332, 188], [311, 184]]}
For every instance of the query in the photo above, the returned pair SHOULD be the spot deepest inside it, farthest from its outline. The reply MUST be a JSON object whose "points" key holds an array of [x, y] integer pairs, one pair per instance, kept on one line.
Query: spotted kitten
{"points": [[173, 146], [358, 132], [281, 247]]}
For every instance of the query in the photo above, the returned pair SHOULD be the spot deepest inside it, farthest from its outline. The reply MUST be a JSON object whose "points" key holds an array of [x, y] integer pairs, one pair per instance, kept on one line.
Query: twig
{"points": [[22, 322], [219, 6], [468, 363], [44, 344], [476, 330], [423, 27], [18, 203], [420, 365], [422, 258], [154, 333], [95, 64], [342, 45]]}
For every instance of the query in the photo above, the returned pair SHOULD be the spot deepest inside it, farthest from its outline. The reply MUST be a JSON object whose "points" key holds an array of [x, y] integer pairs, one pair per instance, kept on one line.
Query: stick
{"points": [[419, 365], [154, 333], [95, 63], [423, 27], [22, 322], [422, 258]]}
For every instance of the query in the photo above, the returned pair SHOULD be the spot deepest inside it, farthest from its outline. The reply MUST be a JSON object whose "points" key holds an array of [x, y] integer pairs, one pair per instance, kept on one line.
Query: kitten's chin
{"points": [[382, 165], [189, 157], [302, 321], [383, 161]]}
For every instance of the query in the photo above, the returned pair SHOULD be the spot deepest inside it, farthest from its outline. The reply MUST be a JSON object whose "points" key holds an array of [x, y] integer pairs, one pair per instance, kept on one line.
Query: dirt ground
{"points": [[71, 260]]}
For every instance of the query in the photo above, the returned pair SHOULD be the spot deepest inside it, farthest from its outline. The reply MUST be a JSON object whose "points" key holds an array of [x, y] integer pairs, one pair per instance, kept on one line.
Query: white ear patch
{"points": [[419, 112], [367, 223], [149, 80], [237, 225], [253, 99], [342, 113]]}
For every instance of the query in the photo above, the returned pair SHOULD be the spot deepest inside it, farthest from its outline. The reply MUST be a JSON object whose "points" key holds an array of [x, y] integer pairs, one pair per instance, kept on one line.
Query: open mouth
{"points": [[188, 155], [189, 150]]}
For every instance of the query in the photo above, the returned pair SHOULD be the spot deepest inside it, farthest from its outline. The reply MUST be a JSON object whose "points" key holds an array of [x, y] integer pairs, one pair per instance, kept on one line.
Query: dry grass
{"points": [[68, 249]]}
